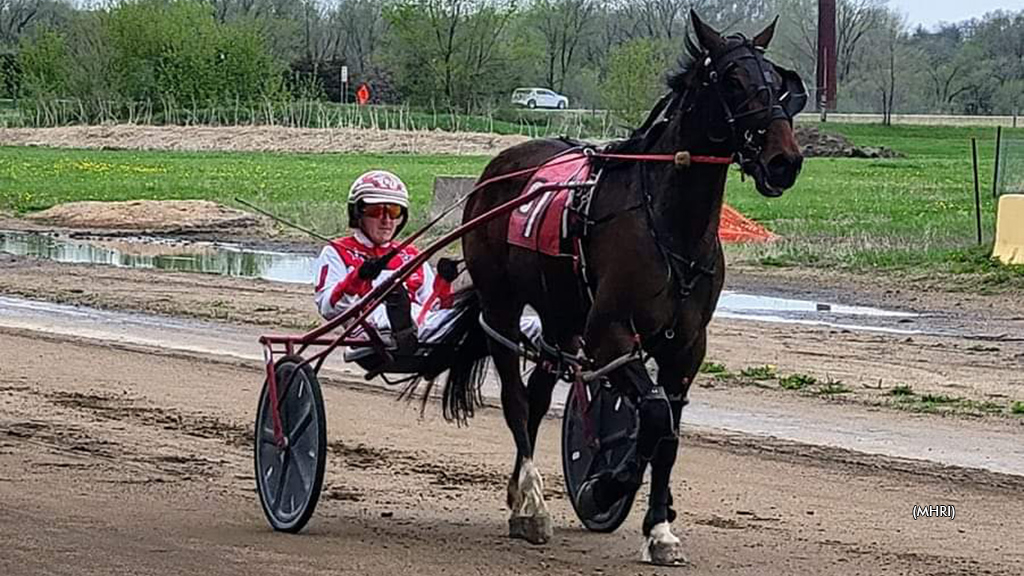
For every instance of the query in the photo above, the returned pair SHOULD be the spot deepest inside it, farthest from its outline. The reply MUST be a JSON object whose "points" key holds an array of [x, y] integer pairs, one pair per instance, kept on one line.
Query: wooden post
{"points": [[995, 171], [977, 187]]}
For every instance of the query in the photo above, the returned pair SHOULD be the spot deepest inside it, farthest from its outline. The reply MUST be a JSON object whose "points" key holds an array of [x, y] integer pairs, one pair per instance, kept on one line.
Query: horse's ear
{"points": [[764, 37], [709, 39]]}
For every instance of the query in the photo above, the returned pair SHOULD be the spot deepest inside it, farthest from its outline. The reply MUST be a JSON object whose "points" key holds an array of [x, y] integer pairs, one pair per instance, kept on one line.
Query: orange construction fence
{"points": [[736, 227]]}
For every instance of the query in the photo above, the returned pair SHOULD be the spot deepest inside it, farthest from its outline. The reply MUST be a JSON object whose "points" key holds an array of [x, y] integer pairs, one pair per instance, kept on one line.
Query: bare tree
{"points": [[362, 30], [854, 19], [886, 65], [15, 17], [454, 42], [563, 24]]}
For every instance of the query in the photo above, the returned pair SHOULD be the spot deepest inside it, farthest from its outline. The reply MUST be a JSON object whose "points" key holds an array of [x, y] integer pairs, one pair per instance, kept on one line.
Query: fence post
{"points": [[977, 187], [995, 171]]}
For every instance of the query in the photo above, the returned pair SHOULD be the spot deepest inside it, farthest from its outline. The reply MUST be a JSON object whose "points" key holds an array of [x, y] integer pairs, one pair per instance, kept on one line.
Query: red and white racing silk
{"points": [[338, 285]]}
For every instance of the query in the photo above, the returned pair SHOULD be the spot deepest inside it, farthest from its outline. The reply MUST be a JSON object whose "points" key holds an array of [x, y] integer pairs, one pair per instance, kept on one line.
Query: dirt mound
{"points": [[260, 139], [149, 215], [814, 143]]}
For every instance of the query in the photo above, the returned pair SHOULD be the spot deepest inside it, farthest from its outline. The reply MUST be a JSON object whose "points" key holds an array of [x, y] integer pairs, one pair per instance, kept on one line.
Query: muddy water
{"points": [[234, 260], [946, 441], [163, 254]]}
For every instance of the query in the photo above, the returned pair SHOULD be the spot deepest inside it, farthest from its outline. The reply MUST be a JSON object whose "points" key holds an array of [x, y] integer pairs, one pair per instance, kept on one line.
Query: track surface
{"points": [[117, 461]]}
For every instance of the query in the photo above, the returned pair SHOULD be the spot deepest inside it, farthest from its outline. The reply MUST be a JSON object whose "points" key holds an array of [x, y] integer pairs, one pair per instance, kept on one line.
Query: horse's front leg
{"points": [[676, 369]]}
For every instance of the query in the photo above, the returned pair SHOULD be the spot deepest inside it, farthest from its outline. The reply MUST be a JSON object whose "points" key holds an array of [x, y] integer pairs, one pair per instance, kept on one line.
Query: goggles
{"points": [[379, 210]]}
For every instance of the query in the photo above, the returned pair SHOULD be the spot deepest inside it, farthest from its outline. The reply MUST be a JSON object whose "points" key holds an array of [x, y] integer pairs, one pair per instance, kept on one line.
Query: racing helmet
{"points": [[377, 187]]}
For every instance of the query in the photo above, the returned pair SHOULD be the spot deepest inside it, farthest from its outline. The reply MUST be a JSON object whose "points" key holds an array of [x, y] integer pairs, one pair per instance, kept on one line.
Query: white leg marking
{"points": [[662, 547]]}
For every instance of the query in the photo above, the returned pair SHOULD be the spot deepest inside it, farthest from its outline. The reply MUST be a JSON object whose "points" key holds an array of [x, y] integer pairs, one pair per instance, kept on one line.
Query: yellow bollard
{"points": [[1009, 246]]}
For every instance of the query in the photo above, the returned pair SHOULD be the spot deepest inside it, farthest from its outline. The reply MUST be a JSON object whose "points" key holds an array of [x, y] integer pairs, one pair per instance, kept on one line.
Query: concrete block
{"points": [[448, 189], [1009, 247]]}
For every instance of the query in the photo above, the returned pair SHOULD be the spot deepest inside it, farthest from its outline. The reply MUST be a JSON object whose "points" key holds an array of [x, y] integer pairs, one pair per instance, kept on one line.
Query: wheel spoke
{"points": [[300, 427], [299, 471], [267, 435], [282, 479]]}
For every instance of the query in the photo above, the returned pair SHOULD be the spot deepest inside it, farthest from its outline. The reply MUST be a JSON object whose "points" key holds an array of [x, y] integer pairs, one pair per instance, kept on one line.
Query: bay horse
{"points": [[654, 267]]}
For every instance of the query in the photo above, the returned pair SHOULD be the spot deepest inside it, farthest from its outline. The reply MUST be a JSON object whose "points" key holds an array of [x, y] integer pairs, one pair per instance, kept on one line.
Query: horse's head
{"points": [[750, 104]]}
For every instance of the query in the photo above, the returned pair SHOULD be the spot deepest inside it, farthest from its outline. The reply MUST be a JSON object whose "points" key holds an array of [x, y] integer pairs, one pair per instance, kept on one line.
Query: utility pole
{"points": [[826, 71]]}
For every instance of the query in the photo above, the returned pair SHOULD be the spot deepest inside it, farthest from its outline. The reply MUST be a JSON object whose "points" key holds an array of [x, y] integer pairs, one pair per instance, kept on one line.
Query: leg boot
{"points": [[403, 330]]}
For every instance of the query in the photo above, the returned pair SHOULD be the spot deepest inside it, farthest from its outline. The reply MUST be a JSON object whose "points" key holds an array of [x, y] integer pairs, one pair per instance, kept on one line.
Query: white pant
{"points": [[437, 322]]}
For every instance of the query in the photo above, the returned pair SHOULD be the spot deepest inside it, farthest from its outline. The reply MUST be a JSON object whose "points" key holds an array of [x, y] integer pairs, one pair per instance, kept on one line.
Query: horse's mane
{"points": [[677, 83]]}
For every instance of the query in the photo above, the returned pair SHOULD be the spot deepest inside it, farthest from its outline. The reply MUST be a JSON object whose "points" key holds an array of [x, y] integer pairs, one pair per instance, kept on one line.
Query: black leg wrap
{"points": [[399, 310], [657, 423], [659, 437]]}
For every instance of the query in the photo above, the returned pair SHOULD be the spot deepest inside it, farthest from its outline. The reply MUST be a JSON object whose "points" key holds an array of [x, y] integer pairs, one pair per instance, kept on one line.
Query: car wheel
{"points": [[531, 104], [561, 105]]}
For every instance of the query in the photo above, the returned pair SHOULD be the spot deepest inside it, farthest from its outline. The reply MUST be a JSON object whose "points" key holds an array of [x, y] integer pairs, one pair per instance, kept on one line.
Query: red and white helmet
{"points": [[377, 187]]}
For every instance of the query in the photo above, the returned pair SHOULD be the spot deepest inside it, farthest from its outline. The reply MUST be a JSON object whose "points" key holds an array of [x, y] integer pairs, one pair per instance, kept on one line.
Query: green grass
{"points": [[766, 372], [713, 368], [1017, 407], [832, 387], [931, 403], [901, 390], [797, 381], [308, 188], [903, 213], [907, 214]]}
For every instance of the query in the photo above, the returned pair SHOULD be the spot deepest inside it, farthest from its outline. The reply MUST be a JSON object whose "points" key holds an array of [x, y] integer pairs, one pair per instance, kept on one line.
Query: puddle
{"points": [[234, 260], [162, 253], [940, 440], [739, 306]]}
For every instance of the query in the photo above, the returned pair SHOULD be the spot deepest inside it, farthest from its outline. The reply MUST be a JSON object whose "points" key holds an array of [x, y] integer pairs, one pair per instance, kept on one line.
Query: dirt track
{"points": [[119, 461], [260, 139], [115, 460]]}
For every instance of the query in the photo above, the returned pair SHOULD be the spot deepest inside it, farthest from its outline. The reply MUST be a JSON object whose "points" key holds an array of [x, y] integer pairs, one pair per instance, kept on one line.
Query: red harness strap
{"points": [[681, 158]]}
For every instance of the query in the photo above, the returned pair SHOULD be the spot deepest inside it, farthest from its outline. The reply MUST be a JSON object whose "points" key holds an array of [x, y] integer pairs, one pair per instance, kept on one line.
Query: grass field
{"points": [[906, 213], [915, 212], [307, 188]]}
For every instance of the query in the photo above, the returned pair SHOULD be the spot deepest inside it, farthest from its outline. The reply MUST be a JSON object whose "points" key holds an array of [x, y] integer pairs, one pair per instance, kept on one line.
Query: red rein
{"points": [[682, 159]]}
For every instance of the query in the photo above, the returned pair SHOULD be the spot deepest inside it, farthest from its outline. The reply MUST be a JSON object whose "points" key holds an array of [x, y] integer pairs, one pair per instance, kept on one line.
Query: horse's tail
{"points": [[463, 352]]}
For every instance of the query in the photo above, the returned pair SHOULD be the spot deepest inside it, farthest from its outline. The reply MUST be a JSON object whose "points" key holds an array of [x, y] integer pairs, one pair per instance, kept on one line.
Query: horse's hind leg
{"points": [[529, 517]]}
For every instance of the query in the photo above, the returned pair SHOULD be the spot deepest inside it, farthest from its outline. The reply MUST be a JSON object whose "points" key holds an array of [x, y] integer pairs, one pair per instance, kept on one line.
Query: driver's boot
{"points": [[403, 329]]}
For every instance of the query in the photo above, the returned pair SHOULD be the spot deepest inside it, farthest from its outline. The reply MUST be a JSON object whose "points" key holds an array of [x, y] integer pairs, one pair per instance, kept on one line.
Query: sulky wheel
{"points": [[614, 420], [289, 478]]}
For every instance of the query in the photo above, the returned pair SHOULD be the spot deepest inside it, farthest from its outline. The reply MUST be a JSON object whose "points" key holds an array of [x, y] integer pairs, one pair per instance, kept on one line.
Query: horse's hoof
{"points": [[533, 529], [662, 548], [664, 554]]}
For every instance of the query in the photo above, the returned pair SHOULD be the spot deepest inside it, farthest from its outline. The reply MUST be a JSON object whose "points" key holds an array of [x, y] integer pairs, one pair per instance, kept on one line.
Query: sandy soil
{"points": [[116, 462], [259, 139], [157, 216]]}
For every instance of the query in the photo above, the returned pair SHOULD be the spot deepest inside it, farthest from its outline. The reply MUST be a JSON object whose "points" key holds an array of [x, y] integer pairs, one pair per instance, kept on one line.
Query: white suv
{"points": [[539, 98]]}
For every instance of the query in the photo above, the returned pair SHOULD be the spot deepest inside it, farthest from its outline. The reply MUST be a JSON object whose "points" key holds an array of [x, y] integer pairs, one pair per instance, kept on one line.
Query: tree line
{"points": [[468, 55]]}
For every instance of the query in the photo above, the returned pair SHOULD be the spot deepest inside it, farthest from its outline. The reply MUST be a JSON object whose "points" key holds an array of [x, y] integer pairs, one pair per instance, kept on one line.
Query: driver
{"points": [[420, 308]]}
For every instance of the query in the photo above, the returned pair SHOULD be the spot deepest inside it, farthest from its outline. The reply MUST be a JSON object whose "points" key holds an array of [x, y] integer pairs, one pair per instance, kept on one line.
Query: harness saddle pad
{"points": [[540, 225]]}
